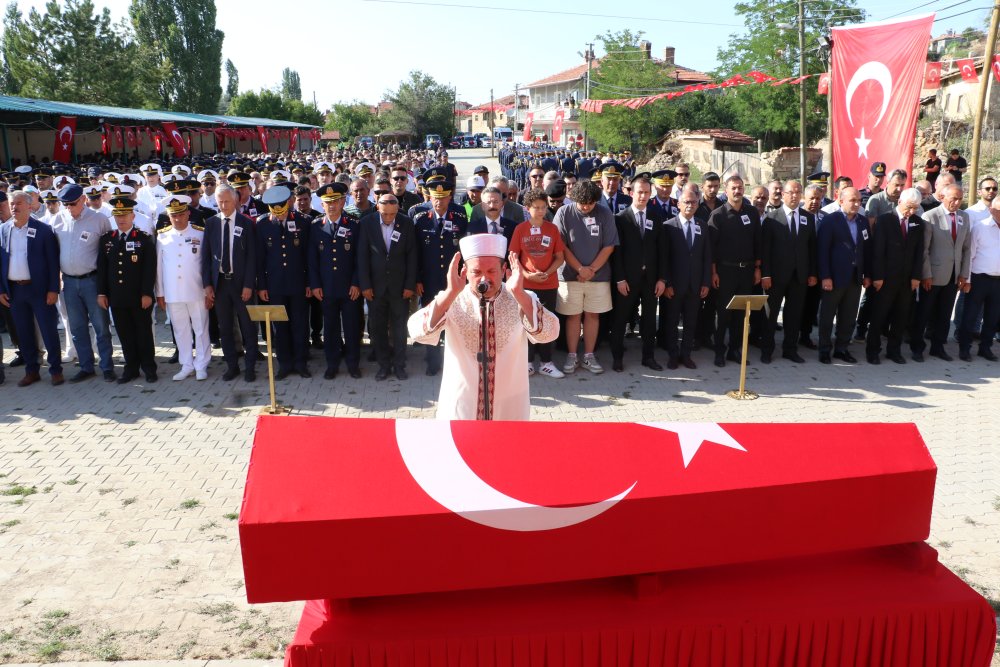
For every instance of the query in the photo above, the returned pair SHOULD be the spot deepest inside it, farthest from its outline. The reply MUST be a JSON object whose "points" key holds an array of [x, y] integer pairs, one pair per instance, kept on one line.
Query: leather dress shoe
{"points": [[988, 355], [896, 357], [109, 376], [617, 365], [174, 358], [401, 374], [57, 379], [152, 377], [720, 360], [330, 374], [81, 376], [918, 357], [317, 343], [793, 356], [689, 363], [806, 342], [281, 374], [304, 372], [672, 363], [18, 360], [259, 356], [249, 375], [231, 374], [127, 377], [354, 372], [432, 370], [382, 374], [964, 355], [652, 364], [845, 356], [824, 358], [765, 357], [873, 359], [733, 356], [941, 354], [30, 379]]}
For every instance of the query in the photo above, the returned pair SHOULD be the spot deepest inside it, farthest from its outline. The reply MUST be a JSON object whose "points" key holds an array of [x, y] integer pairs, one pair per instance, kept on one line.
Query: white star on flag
{"points": [[863, 142], [692, 435]]}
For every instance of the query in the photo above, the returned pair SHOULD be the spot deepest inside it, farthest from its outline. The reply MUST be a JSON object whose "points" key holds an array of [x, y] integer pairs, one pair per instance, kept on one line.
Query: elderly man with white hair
{"points": [[897, 268], [515, 317]]}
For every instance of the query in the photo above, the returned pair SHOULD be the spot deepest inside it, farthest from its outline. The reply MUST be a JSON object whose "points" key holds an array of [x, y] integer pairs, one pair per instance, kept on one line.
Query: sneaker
{"points": [[549, 369], [531, 368], [570, 365], [591, 364], [183, 374]]}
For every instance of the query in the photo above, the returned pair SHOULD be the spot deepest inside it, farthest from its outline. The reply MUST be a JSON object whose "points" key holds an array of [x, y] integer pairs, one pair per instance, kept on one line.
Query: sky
{"points": [[359, 49]]}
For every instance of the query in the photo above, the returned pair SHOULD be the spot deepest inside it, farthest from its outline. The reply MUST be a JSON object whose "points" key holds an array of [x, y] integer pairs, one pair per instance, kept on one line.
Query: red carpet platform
{"points": [[515, 543]]}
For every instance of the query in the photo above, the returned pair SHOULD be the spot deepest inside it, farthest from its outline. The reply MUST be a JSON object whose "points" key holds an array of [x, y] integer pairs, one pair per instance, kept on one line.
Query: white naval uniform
{"points": [[178, 281], [461, 379], [149, 199]]}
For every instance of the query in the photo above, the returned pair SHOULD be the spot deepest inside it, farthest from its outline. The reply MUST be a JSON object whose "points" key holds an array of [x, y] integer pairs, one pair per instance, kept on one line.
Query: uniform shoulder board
{"points": [[198, 227], [162, 227], [351, 216], [460, 216]]}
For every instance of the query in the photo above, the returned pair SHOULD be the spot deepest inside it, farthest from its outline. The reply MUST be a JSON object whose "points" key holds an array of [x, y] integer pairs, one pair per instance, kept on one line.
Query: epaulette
{"points": [[162, 227], [196, 227], [350, 215]]}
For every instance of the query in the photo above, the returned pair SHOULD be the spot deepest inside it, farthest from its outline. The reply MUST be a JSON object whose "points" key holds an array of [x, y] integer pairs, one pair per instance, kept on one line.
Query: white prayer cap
{"points": [[475, 183], [483, 245]]}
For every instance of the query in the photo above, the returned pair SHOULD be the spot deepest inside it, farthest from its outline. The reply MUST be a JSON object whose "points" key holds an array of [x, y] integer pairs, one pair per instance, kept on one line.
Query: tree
{"points": [[421, 106], [181, 53], [67, 53], [232, 86], [770, 44], [353, 119], [291, 87], [269, 104]]}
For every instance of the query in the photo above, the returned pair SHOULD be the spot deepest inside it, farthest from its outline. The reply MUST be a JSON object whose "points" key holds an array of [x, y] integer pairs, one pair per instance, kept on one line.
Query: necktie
{"points": [[954, 229], [902, 226], [793, 225], [493, 228], [227, 260], [642, 224], [690, 234]]}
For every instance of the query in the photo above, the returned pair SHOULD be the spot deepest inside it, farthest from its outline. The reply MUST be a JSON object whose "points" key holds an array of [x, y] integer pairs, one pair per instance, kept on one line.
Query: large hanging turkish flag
{"points": [[293, 141], [175, 139], [527, 126], [262, 135], [877, 72], [557, 126], [64, 139]]}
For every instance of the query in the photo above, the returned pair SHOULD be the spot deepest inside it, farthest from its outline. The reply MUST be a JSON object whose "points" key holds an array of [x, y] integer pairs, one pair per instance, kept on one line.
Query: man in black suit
{"points": [[126, 273], [688, 258], [228, 271], [493, 220], [611, 180], [637, 272], [843, 245], [387, 273], [897, 265], [788, 266]]}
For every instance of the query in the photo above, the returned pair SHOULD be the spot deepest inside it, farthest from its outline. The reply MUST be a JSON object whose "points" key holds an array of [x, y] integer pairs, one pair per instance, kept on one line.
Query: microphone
{"points": [[483, 286]]}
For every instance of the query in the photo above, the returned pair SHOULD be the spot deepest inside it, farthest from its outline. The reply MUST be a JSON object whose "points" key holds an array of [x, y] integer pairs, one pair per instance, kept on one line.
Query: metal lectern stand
{"points": [[268, 314], [747, 303]]}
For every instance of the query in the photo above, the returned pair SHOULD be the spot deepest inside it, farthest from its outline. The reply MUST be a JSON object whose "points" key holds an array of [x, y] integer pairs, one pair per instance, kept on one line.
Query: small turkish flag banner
{"points": [[118, 137], [294, 141], [130, 137], [262, 134], [105, 140], [220, 141], [530, 116], [64, 139], [876, 74], [996, 67], [824, 84], [557, 126], [968, 69], [932, 76], [175, 139]]}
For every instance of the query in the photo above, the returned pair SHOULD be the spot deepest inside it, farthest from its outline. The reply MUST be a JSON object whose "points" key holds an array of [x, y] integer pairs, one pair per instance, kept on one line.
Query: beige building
{"points": [[477, 119], [957, 99]]}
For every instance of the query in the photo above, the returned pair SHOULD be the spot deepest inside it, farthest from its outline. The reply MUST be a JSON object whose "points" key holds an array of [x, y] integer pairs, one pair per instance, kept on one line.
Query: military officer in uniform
{"points": [[663, 183], [333, 277], [126, 275], [438, 231], [179, 288], [282, 277]]}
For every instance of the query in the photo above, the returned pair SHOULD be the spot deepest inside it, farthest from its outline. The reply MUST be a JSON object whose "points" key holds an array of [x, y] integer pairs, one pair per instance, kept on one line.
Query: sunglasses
{"points": [[378, 193], [399, 178], [683, 173], [990, 189]]}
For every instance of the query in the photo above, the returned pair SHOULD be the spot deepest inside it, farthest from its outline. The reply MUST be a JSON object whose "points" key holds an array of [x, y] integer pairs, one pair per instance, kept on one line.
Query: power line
{"points": [[977, 9], [546, 11], [907, 11]]}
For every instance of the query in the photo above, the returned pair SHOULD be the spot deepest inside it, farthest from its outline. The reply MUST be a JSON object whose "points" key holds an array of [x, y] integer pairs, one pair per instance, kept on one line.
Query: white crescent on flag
{"points": [[875, 71], [430, 454]]}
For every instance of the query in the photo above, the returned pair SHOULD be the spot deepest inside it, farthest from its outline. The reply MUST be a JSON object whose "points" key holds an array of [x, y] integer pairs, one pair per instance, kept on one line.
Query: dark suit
{"points": [[28, 299], [789, 260], [638, 261], [229, 285], [896, 260], [387, 274], [126, 272], [844, 260], [333, 267], [481, 226], [621, 202], [282, 271], [688, 270]]}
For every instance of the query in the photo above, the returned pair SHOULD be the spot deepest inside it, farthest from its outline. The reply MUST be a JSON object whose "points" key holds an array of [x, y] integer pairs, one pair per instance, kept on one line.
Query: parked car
{"points": [[455, 142], [485, 142], [468, 141], [432, 142]]}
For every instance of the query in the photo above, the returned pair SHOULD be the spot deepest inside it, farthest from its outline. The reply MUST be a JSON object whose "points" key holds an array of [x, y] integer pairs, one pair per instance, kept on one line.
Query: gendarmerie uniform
{"points": [[126, 272], [179, 283], [333, 267]]}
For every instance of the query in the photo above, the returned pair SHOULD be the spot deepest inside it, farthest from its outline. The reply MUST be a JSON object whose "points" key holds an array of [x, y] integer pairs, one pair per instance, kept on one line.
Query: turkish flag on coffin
{"points": [[877, 72], [63, 150], [338, 508], [967, 67]]}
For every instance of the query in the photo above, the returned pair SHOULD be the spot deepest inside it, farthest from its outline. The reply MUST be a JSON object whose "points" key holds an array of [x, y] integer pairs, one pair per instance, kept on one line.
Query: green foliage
{"points": [[354, 119], [232, 86], [67, 53], [291, 87], [181, 54], [772, 113], [269, 104], [421, 106]]}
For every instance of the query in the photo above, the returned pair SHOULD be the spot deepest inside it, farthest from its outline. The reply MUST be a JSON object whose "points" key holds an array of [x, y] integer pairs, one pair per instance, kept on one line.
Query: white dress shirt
{"points": [[985, 250], [18, 249]]}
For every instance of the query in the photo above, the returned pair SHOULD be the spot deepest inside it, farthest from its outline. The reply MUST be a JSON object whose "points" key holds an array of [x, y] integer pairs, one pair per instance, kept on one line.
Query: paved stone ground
{"points": [[118, 505]]}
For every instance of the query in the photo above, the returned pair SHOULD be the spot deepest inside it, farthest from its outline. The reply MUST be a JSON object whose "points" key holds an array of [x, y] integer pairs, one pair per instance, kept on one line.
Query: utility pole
{"points": [[802, 91], [590, 61], [517, 106], [493, 113], [977, 131]]}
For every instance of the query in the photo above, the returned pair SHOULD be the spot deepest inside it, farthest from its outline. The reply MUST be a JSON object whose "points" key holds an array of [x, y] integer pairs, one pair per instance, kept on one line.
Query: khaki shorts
{"points": [[575, 297]]}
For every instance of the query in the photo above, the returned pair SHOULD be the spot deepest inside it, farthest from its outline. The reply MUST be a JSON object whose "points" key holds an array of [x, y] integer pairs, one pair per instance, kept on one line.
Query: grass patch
{"points": [[72, 482], [944, 544], [207, 526], [7, 525], [996, 503], [55, 614], [51, 650], [232, 516], [19, 490], [104, 491], [190, 503], [173, 563], [969, 520], [184, 648], [106, 648], [130, 544], [128, 501]]}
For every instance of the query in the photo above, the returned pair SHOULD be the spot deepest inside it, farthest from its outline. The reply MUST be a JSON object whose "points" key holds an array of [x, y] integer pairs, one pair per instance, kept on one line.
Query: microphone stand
{"points": [[483, 356]]}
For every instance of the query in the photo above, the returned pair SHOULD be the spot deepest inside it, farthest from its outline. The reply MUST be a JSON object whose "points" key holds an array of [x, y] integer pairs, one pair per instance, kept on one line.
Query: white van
{"points": [[503, 134]]}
